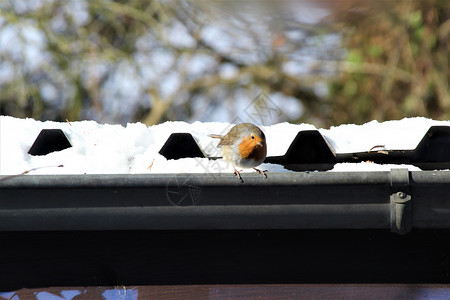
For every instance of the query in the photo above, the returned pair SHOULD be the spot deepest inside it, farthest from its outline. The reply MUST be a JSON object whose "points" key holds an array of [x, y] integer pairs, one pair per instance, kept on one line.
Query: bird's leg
{"points": [[261, 172], [236, 173]]}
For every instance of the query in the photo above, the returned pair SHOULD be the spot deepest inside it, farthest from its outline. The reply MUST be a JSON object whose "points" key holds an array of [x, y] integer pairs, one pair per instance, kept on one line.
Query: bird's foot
{"points": [[238, 174], [261, 172]]}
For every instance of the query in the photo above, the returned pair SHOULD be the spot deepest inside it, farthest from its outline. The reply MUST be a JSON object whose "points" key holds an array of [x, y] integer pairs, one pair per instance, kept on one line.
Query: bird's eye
{"points": [[253, 137]]}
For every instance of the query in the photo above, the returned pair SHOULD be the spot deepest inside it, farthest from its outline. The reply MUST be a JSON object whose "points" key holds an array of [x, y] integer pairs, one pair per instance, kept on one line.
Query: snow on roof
{"points": [[115, 149]]}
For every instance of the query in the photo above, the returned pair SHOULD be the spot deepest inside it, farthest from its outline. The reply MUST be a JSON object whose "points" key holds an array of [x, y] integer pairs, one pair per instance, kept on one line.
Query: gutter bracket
{"points": [[400, 202]]}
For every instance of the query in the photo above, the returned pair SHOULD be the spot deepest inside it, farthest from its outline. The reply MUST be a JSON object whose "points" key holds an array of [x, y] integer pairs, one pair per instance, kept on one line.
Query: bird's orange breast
{"points": [[250, 149]]}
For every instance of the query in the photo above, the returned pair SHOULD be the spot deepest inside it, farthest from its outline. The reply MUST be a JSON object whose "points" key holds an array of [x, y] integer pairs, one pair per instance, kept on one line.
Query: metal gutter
{"points": [[398, 200]]}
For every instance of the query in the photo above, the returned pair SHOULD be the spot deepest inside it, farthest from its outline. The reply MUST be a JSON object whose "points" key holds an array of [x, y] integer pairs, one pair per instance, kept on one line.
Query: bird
{"points": [[244, 146]]}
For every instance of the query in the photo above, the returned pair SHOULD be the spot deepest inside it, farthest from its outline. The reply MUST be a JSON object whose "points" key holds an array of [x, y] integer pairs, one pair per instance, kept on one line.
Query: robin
{"points": [[243, 146]]}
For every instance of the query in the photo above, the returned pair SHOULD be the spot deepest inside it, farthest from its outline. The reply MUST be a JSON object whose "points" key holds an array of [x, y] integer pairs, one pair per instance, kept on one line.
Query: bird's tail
{"points": [[215, 136]]}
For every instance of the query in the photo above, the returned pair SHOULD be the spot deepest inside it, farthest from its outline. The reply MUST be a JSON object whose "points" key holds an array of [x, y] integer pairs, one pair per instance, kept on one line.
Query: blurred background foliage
{"points": [[397, 62], [322, 62]]}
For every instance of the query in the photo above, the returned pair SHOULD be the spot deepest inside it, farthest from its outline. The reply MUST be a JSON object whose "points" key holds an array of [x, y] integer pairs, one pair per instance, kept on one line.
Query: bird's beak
{"points": [[260, 143]]}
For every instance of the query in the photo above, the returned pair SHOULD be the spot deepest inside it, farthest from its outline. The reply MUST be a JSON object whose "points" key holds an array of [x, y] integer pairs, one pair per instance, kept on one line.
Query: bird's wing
{"points": [[223, 139], [215, 136], [230, 138]]}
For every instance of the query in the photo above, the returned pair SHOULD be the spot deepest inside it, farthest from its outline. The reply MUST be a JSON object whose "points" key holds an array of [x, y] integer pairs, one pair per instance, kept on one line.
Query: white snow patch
{"points": [[370, 167], [402, 134], [115, 149]]}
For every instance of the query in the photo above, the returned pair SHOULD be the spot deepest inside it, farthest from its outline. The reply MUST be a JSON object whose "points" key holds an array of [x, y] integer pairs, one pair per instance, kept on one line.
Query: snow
{"points": [[131, 149], [394, 135], [370, 167]]}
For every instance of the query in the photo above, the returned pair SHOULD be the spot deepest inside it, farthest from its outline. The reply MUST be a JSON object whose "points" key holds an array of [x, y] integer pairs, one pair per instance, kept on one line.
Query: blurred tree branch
{"points": [[84, 44], [400, 54], [151, 61]]}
